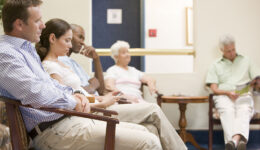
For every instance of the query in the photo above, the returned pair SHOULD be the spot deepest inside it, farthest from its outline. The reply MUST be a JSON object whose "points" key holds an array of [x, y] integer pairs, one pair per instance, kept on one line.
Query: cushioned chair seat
{"points": [[3, 116], [5, 143]]}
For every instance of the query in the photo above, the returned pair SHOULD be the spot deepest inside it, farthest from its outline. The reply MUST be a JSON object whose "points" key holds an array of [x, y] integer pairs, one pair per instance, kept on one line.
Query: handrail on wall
{"points": [[145, 51]]}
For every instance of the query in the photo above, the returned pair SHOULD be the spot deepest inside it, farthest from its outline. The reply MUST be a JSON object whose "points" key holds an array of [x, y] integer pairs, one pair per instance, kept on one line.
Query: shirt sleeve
{"points": [[212, 75], [111, 73], [22, 82], [139, 73], [77, 69]]}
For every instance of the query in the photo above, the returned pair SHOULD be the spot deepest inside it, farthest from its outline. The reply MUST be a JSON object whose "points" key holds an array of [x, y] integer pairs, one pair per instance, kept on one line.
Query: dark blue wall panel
{"points": [[104, 35]]}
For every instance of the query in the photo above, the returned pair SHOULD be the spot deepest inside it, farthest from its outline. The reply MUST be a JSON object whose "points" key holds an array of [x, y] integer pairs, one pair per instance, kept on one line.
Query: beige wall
{"points": [[73, 11], [212, 18]]}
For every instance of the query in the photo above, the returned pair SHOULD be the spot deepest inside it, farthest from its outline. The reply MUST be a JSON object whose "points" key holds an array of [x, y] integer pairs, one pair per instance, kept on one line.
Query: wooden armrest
{"points": [[158, 94], [104, 111], [80, 114], [62, 111]]}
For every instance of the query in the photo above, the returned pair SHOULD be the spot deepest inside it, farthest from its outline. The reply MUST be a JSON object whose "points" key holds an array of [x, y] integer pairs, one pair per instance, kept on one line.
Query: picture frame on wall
{"points": [[189, 26]]}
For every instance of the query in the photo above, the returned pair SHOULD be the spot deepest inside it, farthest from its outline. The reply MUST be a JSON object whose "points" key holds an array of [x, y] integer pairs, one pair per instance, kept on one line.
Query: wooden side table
{"points": [[183, 101]]}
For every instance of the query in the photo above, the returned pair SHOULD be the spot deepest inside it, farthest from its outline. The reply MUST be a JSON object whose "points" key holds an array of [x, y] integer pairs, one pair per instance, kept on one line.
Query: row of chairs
{"points": [[20, 138]]}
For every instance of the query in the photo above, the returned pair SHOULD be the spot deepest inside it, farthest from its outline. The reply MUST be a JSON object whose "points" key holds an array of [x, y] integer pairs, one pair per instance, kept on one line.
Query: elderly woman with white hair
{"points": [[127, 80], [124, 78]]}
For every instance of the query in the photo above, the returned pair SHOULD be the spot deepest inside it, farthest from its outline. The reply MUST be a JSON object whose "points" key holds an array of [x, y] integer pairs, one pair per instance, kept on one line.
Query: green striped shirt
{"points": [[228, 74]]}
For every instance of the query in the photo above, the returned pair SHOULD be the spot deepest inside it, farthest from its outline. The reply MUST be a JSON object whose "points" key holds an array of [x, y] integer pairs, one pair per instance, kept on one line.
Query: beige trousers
{"points": [[235, 116], [150, 114], [76, 133]]}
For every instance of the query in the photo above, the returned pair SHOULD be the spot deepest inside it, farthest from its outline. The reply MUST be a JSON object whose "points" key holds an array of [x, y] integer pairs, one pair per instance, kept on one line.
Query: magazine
{"points": [[243, 89], [252, 86]]}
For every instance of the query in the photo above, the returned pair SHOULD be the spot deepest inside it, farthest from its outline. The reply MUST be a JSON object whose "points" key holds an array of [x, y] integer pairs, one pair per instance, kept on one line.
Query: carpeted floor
{"points": [[222, 147]]}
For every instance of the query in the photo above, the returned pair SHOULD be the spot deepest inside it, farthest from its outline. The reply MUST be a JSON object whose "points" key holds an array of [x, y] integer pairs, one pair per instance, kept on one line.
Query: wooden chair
{"points": [[214, 120], [20, 138]]}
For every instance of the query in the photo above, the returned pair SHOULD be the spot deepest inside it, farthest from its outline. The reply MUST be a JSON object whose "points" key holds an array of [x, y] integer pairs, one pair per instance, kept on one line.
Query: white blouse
{"points": [[127, 81], [69, 78]]}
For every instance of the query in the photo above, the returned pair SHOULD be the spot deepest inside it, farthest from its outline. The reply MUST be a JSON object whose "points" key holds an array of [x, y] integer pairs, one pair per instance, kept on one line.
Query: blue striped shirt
{"points": [[76, 68], [22, 77]]}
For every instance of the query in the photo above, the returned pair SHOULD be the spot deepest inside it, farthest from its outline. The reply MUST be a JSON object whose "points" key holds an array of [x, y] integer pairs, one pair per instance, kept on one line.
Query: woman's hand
{"points": [[109, 99], [151, 83], [152, 89], [130, 98]]}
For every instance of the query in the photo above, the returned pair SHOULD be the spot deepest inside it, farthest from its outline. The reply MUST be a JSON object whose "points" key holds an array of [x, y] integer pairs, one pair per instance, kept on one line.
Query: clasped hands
{"points": [[82, 103]]}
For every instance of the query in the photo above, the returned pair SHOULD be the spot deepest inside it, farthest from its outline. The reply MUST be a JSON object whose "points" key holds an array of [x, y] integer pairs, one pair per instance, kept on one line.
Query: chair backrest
{"points": [[3, 116], [158, 95], [18, 132]]}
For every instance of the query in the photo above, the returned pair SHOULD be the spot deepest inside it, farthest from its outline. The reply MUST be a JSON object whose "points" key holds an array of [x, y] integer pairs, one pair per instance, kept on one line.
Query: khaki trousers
{"points": [[151, 114], [235, 116], [76, 133]]}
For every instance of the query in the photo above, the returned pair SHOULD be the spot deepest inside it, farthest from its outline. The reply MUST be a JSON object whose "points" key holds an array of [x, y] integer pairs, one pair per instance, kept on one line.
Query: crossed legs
{"points": [[150, 113]]}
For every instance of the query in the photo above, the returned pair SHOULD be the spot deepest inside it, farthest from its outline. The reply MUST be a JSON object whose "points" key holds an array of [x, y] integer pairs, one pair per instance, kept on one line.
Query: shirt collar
{"points": [[225, 59], [17, 42]]}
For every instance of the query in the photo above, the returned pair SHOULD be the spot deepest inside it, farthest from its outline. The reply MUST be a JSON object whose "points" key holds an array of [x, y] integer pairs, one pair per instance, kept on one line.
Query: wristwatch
{"points": [[79, 92]]}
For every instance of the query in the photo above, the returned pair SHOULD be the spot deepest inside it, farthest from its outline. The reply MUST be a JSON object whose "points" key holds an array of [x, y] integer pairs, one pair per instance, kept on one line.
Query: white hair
{"points": [[116, 46], [226, 39]]}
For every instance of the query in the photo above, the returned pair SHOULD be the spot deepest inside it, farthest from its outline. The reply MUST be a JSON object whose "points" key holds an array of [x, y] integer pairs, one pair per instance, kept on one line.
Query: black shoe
{"points": [[241, 145], [230, 145]]}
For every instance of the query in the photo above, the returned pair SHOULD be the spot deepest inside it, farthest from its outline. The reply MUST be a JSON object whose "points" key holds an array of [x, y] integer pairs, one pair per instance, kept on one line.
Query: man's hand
{"points": [[256, 84], [232, 95], [89, 51], [93, 85], [82, 103]]}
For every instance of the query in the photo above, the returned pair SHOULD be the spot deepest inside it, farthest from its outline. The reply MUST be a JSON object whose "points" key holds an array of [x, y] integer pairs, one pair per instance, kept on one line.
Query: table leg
{"points": [[183, 122], [186, 137]]}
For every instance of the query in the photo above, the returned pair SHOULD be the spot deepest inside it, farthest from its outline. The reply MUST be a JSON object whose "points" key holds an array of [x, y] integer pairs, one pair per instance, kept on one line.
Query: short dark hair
{"points": [[16, 9], [56, 26]]}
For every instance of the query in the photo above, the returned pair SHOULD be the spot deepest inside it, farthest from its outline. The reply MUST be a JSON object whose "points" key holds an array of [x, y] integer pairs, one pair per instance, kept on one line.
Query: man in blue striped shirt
{"points": [[22, 77]]}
